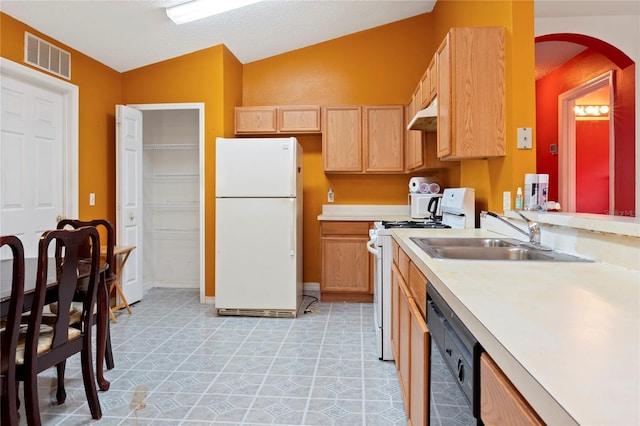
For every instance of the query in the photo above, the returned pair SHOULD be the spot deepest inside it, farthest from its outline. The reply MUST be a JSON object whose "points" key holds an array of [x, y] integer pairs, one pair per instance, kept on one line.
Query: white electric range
{"points": [[458, 212]]}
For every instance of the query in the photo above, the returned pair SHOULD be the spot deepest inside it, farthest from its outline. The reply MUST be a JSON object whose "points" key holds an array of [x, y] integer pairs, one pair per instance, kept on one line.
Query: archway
{"points": [[597, 58]]}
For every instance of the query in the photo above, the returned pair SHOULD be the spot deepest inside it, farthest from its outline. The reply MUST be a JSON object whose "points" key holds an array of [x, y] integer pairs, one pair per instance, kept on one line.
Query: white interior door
{"points": [[38, 153], [129, 203]]}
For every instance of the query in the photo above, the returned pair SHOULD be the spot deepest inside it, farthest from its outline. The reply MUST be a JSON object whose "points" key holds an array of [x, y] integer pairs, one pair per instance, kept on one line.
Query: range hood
{"points": [[425, 119]]}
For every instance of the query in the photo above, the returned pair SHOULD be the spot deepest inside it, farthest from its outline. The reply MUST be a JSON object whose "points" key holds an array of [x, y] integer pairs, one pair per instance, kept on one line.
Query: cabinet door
{"points": [[256, 120], [433, 80], [443, 61], [342, 139], [299, 119], [345, 265], [471, 93], [395, 312], [384, 138], [418, 288], [404, 344], [425, 86], [500, 402], [419, 367], [415, 157]]}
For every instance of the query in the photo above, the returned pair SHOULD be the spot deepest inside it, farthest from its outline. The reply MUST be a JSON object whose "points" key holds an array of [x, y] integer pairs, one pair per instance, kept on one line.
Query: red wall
{"points": [[592, 166], [584, 67]]}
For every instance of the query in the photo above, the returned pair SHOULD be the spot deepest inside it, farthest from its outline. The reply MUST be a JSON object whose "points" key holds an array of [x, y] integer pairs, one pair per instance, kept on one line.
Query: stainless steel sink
{"points": [[468, 242], [489, 249]]}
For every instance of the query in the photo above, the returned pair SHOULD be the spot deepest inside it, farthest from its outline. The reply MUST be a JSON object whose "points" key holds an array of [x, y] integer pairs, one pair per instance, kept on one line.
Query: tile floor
{"points": [[177, 363]]}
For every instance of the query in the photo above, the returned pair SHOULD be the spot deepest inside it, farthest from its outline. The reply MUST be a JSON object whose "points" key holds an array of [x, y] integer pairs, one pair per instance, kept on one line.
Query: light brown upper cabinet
{"points": [[471, 93], [368, 139], [432, 72], [278, 119], [421, 147], [428, 84], [342, 138], [256, 120], [299, 119], [384, 138]]}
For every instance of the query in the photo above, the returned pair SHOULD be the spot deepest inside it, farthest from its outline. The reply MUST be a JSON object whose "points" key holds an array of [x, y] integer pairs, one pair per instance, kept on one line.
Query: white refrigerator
{"points": [[258, 264]]}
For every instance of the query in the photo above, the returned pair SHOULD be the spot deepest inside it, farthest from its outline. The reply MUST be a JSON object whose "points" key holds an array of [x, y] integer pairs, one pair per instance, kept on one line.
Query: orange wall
{"points": [[212, 76], [375, 67], [491, 177], [370, 68], [97, 117]]}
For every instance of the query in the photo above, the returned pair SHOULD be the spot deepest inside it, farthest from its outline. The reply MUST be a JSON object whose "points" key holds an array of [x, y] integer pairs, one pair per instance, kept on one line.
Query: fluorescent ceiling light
{"points": [[198, 9]]}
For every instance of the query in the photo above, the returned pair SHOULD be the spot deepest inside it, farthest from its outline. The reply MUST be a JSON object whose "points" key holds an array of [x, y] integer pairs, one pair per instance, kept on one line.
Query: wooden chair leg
{"points": [[9, 404], [31, 403], [61, 393], [109, 352], [90, 383]]}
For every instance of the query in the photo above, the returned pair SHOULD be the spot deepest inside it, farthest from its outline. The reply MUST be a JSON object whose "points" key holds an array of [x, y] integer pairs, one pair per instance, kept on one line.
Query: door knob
{"points": [[131, 216], [59, 218]]}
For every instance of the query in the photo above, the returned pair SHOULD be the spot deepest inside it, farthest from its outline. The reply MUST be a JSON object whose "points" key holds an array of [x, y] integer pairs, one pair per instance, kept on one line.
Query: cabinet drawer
{"points": [[418, 288], [403, 264], [395, 249], [344, 228], [500, 402]]}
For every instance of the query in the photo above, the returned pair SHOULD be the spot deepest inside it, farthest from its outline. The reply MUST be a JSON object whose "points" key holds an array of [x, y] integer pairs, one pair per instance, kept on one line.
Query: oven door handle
{"points": [[371, 247]]}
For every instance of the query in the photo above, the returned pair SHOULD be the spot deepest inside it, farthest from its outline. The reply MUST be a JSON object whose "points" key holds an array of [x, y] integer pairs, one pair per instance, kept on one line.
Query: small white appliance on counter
{"points": [[425, 206], [457, 213], [258, 264]]}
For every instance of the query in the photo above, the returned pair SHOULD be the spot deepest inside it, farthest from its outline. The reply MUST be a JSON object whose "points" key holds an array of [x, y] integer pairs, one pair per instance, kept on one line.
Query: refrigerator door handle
{"points": [[294, 165], [293, 227]]}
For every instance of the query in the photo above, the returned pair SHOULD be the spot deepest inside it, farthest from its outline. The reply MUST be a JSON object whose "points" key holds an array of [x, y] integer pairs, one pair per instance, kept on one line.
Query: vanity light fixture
{"points": [[591, 111], [198, 9]]}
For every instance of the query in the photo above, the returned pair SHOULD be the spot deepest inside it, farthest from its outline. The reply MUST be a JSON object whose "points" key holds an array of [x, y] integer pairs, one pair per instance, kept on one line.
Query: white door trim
{"points": [[567, 141], [70, 108], [199, 106]]}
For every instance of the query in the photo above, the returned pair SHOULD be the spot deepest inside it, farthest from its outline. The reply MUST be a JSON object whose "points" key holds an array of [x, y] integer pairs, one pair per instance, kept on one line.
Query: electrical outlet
{"points": [[525, 138], [92, 199]]}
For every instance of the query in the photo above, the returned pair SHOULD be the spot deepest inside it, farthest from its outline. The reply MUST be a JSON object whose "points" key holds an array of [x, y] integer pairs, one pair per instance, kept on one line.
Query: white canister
{"points": [[530, 191], [543, 191]]}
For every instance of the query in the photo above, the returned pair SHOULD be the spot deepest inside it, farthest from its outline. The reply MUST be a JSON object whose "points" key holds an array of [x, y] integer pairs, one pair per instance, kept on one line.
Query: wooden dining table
{"points": [[30, 273]]}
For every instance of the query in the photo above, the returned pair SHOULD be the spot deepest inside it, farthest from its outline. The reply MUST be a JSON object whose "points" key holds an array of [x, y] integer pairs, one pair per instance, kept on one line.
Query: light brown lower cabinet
{"points": [[347, 270], [500, 402], [404, 345], [410, 343], [418, 367]]}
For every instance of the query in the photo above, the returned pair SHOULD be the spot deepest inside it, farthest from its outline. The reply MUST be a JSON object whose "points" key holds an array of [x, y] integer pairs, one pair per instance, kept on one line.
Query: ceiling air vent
{"points": [[46, 56]]}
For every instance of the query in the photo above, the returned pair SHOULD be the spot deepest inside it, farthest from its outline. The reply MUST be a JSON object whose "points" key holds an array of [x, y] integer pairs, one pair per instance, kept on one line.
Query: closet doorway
{"points": [[173, 195]]}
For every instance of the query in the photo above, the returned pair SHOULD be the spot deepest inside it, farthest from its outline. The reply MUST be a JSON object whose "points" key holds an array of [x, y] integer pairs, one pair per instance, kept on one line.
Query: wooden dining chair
{"points": [[103, 290], [9, 334], [45, 347]]}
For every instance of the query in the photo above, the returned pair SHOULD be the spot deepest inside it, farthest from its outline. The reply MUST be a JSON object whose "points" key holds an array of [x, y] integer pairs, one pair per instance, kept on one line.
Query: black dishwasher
{"points": [[460, 350]]}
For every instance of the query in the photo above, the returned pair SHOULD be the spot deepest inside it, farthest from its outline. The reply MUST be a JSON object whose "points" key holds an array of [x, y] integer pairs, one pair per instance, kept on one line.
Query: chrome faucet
{"points": [[534, 228]]}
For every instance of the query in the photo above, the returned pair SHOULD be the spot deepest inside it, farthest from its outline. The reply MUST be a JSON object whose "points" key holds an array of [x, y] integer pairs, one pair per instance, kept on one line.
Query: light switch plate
{"points": [[525, 138], [92, 199]]}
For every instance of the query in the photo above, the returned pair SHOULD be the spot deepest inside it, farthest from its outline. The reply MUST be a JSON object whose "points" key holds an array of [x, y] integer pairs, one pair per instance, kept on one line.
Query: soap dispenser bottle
{"points": [[519, 199]]}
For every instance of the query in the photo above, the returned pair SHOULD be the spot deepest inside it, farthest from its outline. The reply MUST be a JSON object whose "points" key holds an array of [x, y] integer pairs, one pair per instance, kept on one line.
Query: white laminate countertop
{"points": [[566, 334], [362, 212]]}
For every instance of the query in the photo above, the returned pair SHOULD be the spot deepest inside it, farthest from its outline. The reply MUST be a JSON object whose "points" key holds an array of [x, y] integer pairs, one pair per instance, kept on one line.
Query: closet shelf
{"points": [[177, 231], [177, 176], [183, 205], [167, 146]]}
